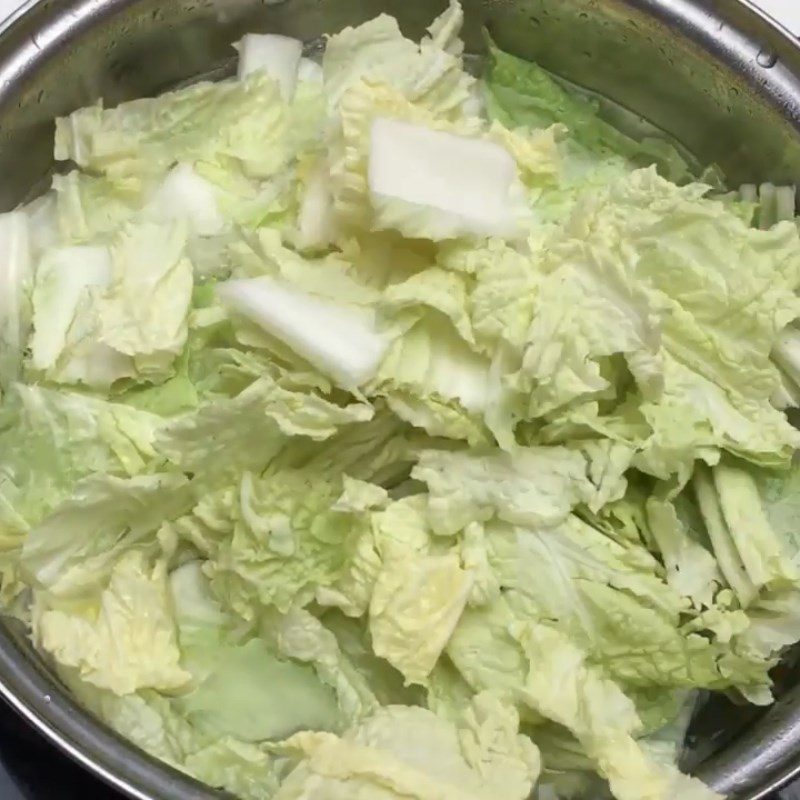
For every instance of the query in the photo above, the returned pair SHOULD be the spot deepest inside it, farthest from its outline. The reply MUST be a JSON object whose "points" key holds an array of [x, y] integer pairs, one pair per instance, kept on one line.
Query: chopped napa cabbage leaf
{"points": [[416, 604], [125, 640], [436, 185], [273, 540], [244, 122], [520, 92], [144, 314], [66, 345], [184, 194], [538, 486], [352, 348], [225, 436], [102, 314], [406, 752], [418, 591], [43, 227], [434, 381], [277, 56], [430, 73], [73, 550], [304, 638], [316, 221], [16, 279], [50, 440], [310, 71], [600, 716], [253, 696], [90, 206], [379, 129]]}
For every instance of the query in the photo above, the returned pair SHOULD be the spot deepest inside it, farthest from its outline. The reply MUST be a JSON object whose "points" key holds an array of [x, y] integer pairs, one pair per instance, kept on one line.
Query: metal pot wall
{"points": [[713, 73]]}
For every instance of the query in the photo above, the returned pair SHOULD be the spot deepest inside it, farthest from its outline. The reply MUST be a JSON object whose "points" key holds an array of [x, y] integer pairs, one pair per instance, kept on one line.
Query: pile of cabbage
{"points": [[372, 430]]}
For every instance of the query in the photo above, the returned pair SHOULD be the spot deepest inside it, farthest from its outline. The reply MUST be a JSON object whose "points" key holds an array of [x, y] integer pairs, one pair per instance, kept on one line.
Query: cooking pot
{"points": [[715, 74]]}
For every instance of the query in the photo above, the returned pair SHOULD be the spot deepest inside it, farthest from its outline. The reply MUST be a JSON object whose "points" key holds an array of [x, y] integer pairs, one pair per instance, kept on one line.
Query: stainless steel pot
{"points": [[714, 73]]}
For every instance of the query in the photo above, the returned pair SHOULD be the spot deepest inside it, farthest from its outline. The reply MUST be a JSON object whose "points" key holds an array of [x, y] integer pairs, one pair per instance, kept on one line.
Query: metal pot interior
{"points": [[724, 83]]}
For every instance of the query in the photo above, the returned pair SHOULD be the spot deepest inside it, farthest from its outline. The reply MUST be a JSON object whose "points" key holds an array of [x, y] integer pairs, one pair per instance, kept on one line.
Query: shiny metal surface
{"points": [[713, 73], [766, 756]]}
